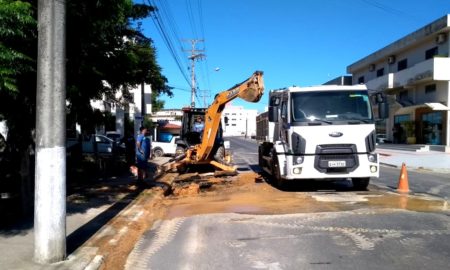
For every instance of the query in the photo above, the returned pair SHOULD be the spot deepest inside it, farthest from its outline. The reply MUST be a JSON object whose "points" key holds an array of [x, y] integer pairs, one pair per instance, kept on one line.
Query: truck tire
{"points": [[260, 157], [360, 183], [276, 177], [180, 151], [158, 152]]}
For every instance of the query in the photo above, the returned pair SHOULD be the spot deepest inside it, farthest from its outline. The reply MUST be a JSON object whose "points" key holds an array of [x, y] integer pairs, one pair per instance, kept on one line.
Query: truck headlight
{"points": [[297, 170], [372, 157], [298, 160]]}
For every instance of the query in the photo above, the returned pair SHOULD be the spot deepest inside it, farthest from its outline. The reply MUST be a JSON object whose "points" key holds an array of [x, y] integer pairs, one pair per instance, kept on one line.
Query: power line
{"points": [[162, 29], [387, 8]]}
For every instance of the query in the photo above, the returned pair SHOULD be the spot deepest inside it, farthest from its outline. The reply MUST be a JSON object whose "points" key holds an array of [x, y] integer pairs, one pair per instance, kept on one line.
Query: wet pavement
{"points": [[252, 225]]}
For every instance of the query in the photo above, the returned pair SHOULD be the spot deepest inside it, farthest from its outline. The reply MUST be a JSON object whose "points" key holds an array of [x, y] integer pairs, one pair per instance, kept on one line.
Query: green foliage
{"points": [[112, 50], [106, 51], [17, 25]]}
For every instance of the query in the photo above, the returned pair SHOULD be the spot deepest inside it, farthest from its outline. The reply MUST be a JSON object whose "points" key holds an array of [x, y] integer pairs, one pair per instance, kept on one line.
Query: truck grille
{"points": [[336, 158]]}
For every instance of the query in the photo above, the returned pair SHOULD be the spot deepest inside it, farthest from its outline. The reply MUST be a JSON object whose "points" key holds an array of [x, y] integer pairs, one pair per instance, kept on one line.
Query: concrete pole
{"points": [[50, 192]]}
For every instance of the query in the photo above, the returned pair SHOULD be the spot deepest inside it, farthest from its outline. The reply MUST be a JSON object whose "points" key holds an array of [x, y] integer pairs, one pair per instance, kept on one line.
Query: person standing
{"points": [[142, 154]]}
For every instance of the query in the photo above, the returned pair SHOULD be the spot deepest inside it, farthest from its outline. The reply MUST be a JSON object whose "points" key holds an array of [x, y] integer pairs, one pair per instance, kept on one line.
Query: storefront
{"points": [[421, 124]]}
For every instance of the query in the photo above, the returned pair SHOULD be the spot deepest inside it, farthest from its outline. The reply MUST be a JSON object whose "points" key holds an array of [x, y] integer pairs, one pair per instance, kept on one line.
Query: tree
{"points": [[106, 51], [111, 50], [14, 59]]}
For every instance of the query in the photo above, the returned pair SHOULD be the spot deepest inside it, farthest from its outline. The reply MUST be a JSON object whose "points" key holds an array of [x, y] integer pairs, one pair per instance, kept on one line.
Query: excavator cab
{"points": [[189, 135]]}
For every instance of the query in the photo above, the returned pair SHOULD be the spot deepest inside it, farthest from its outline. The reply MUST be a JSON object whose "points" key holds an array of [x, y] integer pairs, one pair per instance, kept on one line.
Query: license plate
{"points": [[337, 164]]}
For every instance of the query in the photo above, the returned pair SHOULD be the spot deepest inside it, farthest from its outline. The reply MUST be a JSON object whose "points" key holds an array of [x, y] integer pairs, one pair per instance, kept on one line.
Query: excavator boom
{"points": [[250, 90]]}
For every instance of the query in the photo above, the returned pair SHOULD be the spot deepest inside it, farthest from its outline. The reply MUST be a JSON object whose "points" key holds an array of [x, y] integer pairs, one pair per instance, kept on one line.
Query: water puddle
{"points": [[254, 197]]}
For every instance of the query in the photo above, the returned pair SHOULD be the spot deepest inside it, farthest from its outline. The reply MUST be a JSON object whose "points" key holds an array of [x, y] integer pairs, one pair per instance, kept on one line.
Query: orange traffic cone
{"points": [[403, 185]]}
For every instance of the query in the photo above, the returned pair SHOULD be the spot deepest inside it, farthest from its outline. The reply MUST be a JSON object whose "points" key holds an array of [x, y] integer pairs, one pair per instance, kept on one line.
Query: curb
{"points": [[97, 261], [389, 165]]}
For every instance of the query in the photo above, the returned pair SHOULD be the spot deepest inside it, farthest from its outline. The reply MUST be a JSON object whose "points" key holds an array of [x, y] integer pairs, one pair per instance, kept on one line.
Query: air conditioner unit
{"points": [[371, 67], [441, 38], [391, 59]]}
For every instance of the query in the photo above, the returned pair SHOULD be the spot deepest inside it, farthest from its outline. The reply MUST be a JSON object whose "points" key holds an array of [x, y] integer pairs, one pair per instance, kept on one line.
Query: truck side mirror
{"points": [[383, 110], [273, 114]]}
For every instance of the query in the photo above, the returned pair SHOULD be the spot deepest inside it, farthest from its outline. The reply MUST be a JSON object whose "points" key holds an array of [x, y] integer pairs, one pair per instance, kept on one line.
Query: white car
{"points": [[381, 138]]}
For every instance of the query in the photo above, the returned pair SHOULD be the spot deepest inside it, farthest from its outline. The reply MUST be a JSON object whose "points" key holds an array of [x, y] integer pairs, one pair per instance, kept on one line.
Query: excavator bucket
{"points": [[254, 89]]}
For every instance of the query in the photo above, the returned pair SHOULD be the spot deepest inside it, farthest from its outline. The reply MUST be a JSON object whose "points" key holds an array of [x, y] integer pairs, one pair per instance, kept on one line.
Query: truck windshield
{"points": [[330, 106]]}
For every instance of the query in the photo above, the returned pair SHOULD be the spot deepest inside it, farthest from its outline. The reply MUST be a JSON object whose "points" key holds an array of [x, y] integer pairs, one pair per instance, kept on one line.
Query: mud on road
{"points": [[247, 193]]}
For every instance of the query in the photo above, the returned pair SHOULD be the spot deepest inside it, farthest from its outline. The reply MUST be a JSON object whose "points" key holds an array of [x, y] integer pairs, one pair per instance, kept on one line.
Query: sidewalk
{"points": [[432, 160], [89, 210]]}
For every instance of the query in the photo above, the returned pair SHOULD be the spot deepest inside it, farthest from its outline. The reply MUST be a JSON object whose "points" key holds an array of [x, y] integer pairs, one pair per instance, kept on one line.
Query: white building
{"points": [[414, 73], [119, 108], [240, 121]]}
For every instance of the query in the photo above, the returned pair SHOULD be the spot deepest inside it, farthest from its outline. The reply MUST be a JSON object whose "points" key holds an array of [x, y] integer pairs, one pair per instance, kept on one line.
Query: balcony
{"points": [[434, 69], [381, 83]]}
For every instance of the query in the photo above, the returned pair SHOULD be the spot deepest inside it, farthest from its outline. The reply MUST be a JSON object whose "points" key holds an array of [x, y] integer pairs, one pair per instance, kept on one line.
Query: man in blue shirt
{"points": [[199, 125], [142, 154]]}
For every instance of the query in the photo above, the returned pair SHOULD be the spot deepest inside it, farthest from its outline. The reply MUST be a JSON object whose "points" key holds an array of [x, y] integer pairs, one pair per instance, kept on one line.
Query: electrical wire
{"points": [[164, 32], [387, 8]]}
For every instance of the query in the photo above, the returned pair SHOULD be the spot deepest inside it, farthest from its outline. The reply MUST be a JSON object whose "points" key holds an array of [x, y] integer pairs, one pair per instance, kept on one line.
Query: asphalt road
{"points": [[331, 227]]}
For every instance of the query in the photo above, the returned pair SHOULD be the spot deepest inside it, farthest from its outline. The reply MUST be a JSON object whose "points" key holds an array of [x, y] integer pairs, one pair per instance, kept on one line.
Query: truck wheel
{"points": [[260, 157], [276, 177], [360, 183], [180, 151], [158, 152]]}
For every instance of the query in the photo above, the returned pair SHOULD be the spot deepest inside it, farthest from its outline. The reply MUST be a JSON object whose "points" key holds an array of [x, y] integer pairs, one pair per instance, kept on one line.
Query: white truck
{"points": [[167, 147], [322, 132]]}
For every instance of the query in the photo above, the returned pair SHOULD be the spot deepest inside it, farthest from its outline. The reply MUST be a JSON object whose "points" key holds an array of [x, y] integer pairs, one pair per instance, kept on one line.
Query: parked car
{"points": [[96, 143], [166, 147], [114, 135], [381, 138], [9, 173]]}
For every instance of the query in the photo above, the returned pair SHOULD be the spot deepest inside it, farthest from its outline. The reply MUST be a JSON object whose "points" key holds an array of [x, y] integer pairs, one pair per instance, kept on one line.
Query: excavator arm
{"points": [[250, 90]]}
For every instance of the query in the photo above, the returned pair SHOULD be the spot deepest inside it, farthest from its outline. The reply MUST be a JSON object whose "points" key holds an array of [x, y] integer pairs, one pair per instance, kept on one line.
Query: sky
{"points": [[294, 42]]}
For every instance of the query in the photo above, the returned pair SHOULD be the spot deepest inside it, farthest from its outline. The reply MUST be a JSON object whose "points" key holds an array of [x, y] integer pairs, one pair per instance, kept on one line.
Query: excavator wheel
{"points": [[220, 155]]}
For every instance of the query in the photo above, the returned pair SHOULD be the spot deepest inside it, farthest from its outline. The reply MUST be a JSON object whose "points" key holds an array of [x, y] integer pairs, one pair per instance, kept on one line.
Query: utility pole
{"points": [[195, 54], [204, 94], [50, 178]]}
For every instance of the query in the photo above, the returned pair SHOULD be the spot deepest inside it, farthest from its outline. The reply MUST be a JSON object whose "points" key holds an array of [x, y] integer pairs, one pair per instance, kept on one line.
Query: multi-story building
{"points": [[136, 110], [240, 121], [414, 73]]}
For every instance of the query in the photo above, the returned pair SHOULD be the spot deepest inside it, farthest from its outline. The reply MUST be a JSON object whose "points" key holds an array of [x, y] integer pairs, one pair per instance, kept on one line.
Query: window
{"points": [[380, 72], [431, 88], [402, 64], [330, 106], [431, 53], [361, 80]]}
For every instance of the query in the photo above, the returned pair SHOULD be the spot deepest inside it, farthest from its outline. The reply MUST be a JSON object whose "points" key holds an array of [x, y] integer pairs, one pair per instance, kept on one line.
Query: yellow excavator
{"points": [[207, 147]]}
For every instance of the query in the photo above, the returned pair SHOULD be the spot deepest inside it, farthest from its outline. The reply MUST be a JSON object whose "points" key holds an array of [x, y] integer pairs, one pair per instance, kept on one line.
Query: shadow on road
{"points": [[82, 234], [338, 185]]}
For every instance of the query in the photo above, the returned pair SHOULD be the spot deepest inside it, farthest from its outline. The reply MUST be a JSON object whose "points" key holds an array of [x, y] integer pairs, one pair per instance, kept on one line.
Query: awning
{"points": [[409, 109], [437, 106]]}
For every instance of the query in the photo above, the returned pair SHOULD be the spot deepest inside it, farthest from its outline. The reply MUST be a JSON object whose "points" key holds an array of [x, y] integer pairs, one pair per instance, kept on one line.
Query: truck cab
{"points": [[322, 132]]}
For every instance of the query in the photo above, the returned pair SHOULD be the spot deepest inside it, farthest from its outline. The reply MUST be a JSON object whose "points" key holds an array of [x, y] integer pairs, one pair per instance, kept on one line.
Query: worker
{"points": [[199, 125], [142, 154]]}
